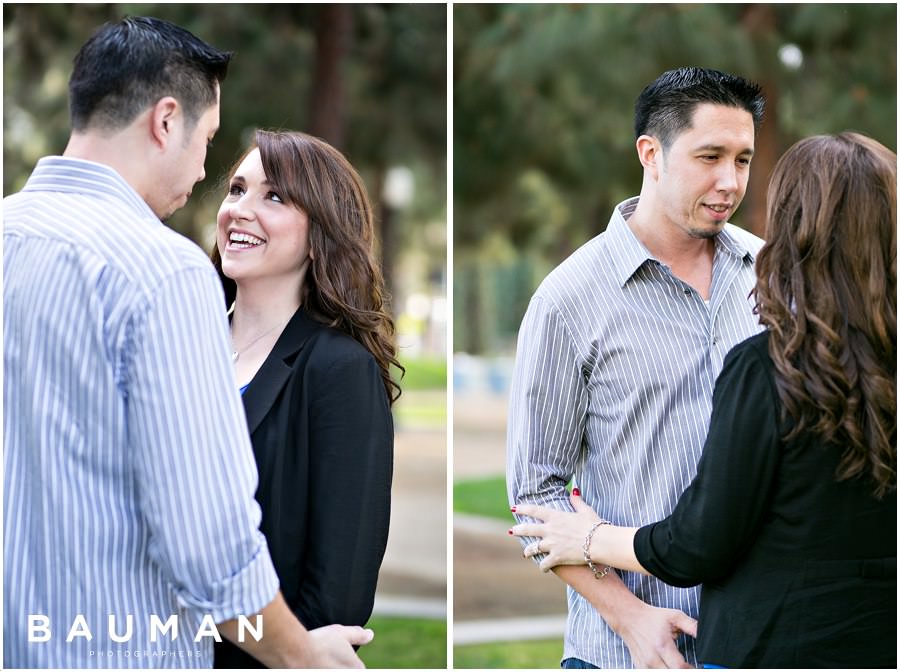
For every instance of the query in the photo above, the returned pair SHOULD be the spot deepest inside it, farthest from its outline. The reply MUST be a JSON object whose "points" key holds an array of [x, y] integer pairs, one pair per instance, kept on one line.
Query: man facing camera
{"points": [[619, 351]]}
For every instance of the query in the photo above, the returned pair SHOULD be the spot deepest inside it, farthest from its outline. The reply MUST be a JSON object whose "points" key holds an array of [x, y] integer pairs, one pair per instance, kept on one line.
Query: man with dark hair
{"points": [[665, 107], [130, 528], [619, 351], [122, 70]]}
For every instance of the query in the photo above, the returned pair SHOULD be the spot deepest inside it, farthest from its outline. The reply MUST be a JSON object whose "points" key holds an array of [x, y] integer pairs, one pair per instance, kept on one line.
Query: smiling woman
{"points": [[252, 215], [312, 349]]}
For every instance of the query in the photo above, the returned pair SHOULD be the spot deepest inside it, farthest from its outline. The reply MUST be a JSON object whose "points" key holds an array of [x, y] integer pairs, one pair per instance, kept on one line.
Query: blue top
{"points": [[128, 470]]}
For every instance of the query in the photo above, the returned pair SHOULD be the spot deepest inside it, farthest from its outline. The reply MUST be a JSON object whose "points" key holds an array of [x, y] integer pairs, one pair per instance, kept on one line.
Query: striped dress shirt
{"points": [[613, 381], [129, 475]]}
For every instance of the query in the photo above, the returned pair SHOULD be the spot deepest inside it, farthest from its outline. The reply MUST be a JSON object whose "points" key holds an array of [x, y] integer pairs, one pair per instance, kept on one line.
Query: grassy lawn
{"points": [[423, 404], [421, 409], [482, 497], [542, 654], [422, 374], [402, 643]]}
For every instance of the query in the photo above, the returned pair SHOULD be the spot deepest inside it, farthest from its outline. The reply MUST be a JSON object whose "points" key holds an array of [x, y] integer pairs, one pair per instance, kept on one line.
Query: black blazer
{"points": [[323, 437], [798, 569]]}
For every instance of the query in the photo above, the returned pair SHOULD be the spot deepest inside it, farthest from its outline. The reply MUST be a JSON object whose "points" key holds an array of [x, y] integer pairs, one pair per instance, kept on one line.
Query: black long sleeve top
{"points": [[798, 569], [323, 438]]}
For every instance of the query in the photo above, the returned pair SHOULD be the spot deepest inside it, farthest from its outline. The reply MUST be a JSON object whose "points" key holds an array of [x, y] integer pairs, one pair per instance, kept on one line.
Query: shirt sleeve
{"points": [[194, 466], [719, 515], [350, 471], [547, 413]]}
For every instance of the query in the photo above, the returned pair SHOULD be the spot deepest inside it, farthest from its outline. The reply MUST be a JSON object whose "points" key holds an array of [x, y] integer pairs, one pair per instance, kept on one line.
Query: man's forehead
{"points": [[720, 127], [722, 148]]}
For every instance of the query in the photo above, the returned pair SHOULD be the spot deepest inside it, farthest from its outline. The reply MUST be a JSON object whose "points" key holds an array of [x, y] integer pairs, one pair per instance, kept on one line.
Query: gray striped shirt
{"points": [[129, 476], [613, 384]]}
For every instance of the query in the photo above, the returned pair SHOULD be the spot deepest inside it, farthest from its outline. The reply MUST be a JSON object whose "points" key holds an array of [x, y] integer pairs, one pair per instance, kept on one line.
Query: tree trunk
{"points": [[334, 29], [387, 233], [760, 22]]}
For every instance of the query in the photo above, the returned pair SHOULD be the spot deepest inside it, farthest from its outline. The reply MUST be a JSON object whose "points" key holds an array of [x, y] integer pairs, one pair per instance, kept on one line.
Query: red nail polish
{"points": [[509, 531], [576, 492], [513, 509]]}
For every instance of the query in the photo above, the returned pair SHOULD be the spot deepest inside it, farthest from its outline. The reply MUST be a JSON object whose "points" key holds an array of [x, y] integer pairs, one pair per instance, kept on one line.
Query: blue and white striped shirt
{"points": [[129, 476], [613, 382]]}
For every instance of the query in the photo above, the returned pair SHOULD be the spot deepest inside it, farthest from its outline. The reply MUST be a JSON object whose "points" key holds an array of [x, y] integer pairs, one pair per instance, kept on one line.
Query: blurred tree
{"points": [[334, 29], [370, 79], [543, 112]]}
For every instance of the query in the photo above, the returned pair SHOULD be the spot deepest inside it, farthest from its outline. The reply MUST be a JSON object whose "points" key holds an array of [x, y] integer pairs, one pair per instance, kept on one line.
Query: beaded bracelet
{"points": [[598, 574]]}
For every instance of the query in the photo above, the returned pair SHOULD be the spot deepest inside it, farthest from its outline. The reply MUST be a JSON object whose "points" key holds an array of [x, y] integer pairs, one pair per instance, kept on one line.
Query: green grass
{"points": [[423, 403], [402, 643], [421, 409], [542, 654], [422, 374], [482, 497]]}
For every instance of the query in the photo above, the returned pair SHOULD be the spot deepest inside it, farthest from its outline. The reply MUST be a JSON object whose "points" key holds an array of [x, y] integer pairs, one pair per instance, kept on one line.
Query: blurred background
{"points": [[543, 149], [371, 80]]}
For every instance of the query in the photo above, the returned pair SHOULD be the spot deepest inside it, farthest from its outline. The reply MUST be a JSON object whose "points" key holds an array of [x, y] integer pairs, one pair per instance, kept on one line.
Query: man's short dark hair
{"points": [[665, 108], [127, 66]]}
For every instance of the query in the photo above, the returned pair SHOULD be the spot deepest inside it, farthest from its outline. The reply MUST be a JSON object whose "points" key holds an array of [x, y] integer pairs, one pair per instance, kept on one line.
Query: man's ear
{"points": [[162, 117], [650, 153]]}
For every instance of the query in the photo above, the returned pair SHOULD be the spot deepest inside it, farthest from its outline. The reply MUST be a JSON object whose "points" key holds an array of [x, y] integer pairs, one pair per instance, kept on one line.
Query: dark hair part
{"points": [[827, 291], [665, 108], [127, 66], [344, 287]]}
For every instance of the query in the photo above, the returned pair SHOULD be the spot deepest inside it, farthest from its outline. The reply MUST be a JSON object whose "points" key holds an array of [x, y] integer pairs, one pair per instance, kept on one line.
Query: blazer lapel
{"points": [[275, 371]]}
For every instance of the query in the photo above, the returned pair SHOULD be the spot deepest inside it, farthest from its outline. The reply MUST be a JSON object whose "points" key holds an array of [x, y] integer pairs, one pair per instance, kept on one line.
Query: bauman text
{"points": [[39, 628]]}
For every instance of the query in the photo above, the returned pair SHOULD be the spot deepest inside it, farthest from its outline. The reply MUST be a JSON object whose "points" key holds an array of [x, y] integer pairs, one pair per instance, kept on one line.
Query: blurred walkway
{"points": [[497, 594], [413, 577], [479, 435]]}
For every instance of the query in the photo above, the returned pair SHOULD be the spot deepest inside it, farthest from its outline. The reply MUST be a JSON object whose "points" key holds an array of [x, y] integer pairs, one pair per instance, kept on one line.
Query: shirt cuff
{"points": [[242, 594]]}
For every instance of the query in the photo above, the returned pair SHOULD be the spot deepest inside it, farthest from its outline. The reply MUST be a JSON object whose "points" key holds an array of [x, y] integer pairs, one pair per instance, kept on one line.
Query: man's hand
{"points": [[331, 646], [286, 644], [650, 632]]}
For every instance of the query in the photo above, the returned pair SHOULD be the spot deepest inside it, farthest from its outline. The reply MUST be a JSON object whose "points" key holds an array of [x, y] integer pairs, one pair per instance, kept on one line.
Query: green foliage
{"points": [[495, 295], [406, 643], [482, 497], [541, 654], [392, 83], [543, 114]]}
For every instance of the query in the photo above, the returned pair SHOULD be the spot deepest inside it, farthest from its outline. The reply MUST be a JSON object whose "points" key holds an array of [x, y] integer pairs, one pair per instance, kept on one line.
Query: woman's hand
{"points": [[561, 534]]}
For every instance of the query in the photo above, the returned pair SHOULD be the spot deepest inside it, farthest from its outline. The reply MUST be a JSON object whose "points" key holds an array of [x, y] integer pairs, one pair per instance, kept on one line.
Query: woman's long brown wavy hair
{"points": [[344, 287], [827, 291]]}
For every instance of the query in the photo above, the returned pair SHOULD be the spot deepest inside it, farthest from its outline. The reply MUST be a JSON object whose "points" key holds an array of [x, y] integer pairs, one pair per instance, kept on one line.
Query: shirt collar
{"points": [[630, 251], [78, 176]]}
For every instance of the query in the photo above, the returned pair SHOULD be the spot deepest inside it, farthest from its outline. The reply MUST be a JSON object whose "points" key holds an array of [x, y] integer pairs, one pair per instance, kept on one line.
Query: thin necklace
{"points": [[236, 353]]}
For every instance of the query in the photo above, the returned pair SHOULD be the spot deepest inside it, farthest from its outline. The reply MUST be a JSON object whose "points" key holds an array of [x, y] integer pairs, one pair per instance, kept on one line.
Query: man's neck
{"points": [[116, 151], [689, 258]]}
